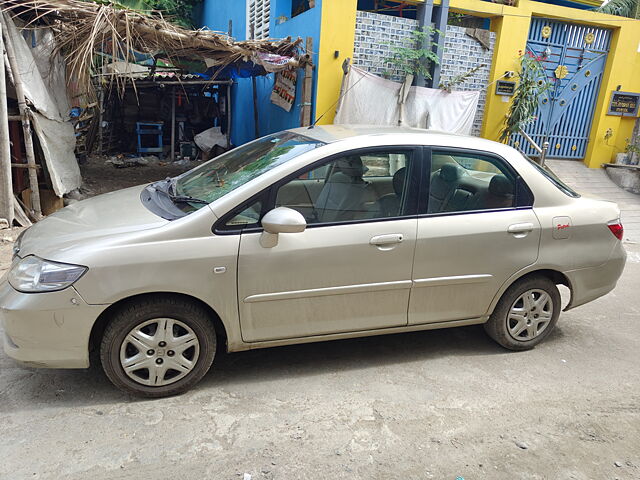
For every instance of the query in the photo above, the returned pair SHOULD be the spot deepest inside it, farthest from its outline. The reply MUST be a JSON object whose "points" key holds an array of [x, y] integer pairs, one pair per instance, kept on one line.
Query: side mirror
{"points": [[280, 220], [283, 220]]}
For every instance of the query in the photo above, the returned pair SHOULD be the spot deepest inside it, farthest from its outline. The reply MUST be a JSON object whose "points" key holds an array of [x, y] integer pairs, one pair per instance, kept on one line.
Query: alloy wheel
{"points": [[530, 315]]}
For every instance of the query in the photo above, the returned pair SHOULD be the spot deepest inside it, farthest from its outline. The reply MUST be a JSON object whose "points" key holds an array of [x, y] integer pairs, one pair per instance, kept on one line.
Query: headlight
{"points": [[33, 274]]}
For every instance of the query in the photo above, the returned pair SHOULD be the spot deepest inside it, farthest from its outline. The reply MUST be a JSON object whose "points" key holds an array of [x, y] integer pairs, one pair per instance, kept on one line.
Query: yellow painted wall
{"points": [[337, 32], [511, 25], [623, 70]]}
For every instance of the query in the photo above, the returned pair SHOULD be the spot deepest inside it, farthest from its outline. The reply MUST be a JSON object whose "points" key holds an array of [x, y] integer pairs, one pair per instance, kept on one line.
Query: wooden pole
{"points": [[307, 85], [26, 122], [100, 116], [6, 187], [228, 112], [256, 125], [173, 124]]}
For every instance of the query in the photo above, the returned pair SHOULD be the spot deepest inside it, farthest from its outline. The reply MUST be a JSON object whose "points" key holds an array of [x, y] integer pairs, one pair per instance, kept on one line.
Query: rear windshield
{"points": [[563, 187]]}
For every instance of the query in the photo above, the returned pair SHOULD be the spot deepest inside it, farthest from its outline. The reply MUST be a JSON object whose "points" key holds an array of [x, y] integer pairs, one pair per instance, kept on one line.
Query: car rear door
{"points": [[476, 229]]}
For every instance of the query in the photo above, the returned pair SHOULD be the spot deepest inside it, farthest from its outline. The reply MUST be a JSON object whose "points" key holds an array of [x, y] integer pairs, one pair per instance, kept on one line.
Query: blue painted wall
{"points": [[216, 16]]}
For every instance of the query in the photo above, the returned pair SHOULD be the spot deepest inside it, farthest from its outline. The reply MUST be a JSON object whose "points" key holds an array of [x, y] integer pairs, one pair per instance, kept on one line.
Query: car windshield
{"points": [[549, 175], [233, 169]]}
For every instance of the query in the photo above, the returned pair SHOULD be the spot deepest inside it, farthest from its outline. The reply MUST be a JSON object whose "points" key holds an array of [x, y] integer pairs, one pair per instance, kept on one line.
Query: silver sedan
{"points": [[302, 236]]}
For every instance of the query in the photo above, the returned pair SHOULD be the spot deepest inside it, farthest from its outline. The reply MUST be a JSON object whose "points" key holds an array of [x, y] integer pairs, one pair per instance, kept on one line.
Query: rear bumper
{"points": [[47, 329], [587, 284]]}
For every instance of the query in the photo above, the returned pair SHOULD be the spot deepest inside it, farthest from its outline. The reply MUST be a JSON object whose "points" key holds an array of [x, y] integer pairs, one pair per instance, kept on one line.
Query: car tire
{"points": [[525, 314], [145, 339]]}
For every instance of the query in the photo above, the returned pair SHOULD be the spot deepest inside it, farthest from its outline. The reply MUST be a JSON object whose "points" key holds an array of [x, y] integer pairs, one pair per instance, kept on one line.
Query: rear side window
{"points": [[462, 181], [549, 175]]}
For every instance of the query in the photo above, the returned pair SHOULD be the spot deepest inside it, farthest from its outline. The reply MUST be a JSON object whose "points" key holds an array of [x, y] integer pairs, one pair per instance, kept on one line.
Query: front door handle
{"points": [[519, 228], [386, 239]]}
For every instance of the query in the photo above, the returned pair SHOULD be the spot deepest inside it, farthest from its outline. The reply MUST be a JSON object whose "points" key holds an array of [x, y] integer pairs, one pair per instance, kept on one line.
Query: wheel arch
{"points": [[552, 274], [103, 319]]}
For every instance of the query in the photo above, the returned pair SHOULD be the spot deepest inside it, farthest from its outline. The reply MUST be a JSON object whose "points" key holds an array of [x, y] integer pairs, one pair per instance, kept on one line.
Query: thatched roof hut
{"points": [[85, 31]]}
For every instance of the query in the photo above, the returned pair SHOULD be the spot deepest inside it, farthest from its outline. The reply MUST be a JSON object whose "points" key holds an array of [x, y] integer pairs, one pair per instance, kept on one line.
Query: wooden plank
{"points": [[24, 165]]}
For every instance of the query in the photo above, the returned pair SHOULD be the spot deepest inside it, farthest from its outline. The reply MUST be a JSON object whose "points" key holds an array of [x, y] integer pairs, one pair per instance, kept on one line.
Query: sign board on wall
{"points": [[505, 87], [284, 89], [624, 104]]}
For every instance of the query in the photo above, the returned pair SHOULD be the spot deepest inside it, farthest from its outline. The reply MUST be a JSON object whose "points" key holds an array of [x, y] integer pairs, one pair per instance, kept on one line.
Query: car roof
{"points": [[419, 136]]}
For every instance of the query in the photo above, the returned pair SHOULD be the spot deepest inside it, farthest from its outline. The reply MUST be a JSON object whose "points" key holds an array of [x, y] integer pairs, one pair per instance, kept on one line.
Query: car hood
{"points": [[110, 214]]}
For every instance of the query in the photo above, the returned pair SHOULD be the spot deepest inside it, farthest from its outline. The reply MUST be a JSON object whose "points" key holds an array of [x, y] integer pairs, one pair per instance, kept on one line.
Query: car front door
{"points": [[350, 269], [477, 228]]}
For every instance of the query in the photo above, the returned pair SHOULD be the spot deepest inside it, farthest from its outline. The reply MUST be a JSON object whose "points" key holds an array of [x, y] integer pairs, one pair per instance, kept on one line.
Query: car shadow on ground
{"points": [[353, 354], [36, 388]]}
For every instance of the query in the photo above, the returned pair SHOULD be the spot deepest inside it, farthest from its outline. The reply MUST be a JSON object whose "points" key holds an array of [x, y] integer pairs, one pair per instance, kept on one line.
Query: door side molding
{"points": [[321, 292], [454, 280]]}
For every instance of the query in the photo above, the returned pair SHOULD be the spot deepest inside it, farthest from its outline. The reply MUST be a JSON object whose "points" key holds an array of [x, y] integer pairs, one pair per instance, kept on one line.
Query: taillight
{"points": [[617, 229]]}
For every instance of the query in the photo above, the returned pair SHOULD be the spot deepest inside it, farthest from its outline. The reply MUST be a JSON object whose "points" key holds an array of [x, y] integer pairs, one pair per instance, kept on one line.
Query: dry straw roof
{"points": [[84, 28]]}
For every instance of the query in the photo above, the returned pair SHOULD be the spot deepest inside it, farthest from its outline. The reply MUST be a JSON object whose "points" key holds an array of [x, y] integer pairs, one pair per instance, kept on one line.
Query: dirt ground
{"points": [[429, 405], [98, 176]]}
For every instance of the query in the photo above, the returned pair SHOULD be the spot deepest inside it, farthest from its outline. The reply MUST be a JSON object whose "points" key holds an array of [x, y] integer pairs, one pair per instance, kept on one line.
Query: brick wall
{"points": [[376, 34]]}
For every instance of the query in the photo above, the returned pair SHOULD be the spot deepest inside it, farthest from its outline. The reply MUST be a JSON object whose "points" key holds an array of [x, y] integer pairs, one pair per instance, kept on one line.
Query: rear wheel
{"points": [[526, 314], [158, 347]]}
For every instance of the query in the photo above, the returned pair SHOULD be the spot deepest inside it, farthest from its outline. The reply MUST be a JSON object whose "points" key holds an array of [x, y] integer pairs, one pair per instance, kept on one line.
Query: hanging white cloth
{"points": [[43, 80], [373, 100]]}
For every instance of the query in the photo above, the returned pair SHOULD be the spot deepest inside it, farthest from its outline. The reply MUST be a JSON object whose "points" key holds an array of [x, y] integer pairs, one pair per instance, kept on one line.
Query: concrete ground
{"points": [[438, 404]]}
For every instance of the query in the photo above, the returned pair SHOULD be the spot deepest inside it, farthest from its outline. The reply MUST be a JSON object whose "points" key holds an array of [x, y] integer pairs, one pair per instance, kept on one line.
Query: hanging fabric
{"points": [[373, 100]]}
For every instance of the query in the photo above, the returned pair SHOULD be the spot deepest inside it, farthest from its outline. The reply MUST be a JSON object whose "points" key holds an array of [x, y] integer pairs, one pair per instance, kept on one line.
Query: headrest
{"points": [[500, 185], [450, 172], [398, 180], [351, 166]]}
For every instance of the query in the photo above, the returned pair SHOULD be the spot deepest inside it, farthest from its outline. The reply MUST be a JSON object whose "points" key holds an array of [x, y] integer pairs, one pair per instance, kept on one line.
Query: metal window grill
{"points": [[258, 15]]}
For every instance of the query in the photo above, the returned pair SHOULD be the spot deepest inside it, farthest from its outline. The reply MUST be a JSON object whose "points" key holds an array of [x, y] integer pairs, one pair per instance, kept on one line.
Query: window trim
{"points": [[270, 192], [423, 203]]}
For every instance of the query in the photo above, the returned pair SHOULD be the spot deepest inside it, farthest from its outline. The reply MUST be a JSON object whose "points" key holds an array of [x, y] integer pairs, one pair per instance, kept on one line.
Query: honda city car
{"points": [[306, 235]]}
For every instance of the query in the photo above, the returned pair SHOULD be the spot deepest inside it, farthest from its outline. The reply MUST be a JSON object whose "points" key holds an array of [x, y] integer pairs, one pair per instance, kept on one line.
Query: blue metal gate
{"points": [[573, 57]]}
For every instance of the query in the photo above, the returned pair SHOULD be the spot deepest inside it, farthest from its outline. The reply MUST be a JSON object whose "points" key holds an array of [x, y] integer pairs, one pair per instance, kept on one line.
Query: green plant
{"points": [[631, 149], [455, 18], [622, 8], [411, 58], [178, 11], [457, 80], [532, 84]]}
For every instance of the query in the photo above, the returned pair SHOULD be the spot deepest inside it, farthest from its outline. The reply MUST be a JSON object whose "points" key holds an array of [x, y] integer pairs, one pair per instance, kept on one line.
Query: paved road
{"points": [[437, 404]]}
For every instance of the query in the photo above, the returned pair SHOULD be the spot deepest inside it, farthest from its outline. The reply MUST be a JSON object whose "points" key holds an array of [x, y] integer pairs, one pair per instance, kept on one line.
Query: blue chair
{"points": [[152, 132]]}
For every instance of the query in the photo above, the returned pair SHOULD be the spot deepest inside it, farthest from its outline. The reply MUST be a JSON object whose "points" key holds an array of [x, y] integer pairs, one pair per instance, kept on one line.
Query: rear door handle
{"points": [[520, 228], [386, 239]]}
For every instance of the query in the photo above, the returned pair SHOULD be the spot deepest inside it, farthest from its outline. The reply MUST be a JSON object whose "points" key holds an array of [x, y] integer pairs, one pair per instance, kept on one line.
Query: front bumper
{"points": [[47, 329]]}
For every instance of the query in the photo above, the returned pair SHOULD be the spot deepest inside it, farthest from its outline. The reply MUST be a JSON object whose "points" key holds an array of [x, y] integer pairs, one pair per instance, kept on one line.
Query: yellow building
{"points": [[591, 55]]}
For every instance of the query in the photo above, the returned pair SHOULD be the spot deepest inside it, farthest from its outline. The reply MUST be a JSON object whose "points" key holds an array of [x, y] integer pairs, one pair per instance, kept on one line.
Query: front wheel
{"points": [[158, 347], [526, 314]]}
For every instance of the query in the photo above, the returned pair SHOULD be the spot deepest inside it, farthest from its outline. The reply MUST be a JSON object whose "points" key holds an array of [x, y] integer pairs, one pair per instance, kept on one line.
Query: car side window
{"points": [[469, 182], [352, 187]]}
